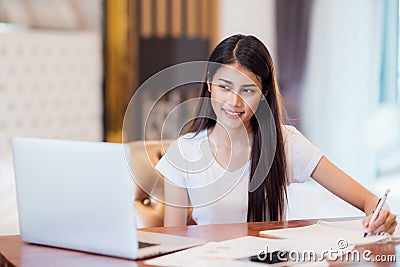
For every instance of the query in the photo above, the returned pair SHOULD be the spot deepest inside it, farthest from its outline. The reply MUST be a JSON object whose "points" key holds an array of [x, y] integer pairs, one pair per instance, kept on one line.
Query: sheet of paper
{"points": [[212, 253], [226, 253]]}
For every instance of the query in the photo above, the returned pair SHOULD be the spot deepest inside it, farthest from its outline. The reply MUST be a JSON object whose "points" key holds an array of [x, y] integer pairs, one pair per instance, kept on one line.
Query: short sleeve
{"points": [[169, 169], [301, 155]]}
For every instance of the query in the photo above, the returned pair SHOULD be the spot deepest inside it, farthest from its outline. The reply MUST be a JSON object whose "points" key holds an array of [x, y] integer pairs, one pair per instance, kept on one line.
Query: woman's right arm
{"points": [[176, 204]]}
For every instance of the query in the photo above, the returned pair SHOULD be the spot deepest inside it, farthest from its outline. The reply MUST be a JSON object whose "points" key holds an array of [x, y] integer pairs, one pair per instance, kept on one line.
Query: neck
{"points": [[237, 136]]}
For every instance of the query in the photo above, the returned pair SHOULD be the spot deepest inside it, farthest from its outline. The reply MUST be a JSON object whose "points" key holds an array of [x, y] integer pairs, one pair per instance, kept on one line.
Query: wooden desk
{"points": [[22, 254]]}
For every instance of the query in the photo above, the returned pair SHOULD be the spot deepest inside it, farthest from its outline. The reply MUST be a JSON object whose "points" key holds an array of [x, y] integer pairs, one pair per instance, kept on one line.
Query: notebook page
{"points": [[351, 232]]}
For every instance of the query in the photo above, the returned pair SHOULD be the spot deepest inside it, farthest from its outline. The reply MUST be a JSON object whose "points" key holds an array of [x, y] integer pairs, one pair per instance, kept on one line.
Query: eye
{"points": [[248, 90], [224, 87]]}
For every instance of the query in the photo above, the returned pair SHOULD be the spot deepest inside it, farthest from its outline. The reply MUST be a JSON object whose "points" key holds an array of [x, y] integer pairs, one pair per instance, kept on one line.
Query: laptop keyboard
{"points": [[145, 244]]}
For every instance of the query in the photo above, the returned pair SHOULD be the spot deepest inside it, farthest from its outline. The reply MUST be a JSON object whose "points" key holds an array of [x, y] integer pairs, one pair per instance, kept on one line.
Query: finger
{"points": [[390, 220], [380, 220], [380, 229], [383, 228], [366, 220], [387, 227], [392, 228], [391, 224]]}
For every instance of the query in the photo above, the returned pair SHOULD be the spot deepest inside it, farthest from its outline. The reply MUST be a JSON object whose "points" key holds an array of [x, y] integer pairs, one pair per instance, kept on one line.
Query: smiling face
{"points": [[235, 95]]}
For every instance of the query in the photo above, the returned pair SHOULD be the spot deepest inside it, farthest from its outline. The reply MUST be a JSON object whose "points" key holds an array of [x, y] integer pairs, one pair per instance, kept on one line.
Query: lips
{"points": [[232, 114]]}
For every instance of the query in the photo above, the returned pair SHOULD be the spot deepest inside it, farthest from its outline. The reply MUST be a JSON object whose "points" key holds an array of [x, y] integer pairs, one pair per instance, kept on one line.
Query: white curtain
{"points": [[341, 95]]}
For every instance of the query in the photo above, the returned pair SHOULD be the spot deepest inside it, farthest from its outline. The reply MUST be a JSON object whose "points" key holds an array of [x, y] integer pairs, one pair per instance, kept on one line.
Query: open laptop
{"points": [[78, 195]]}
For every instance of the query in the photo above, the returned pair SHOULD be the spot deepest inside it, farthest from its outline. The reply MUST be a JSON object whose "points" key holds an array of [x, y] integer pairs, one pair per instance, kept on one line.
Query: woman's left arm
{"points": [[345, 187]]}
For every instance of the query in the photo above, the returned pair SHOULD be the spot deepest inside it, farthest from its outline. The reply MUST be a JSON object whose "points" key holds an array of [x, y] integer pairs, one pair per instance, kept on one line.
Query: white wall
{"points": [[255, 17]]}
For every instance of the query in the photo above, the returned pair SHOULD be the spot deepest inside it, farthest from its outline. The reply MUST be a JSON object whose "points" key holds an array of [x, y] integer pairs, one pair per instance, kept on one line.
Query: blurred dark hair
{"points": [[268, 198]]}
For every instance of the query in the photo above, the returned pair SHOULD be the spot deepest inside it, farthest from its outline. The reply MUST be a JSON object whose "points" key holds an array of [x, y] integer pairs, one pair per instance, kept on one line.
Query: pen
{"points": [[378, 208]]}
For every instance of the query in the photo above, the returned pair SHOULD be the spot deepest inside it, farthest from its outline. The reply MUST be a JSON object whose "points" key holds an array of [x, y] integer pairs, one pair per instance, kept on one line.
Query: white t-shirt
{"points": [[221, 196]]}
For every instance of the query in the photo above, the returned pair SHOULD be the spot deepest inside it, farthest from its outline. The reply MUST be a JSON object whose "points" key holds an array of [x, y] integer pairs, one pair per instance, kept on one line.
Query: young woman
{"points": [[238, 157]]}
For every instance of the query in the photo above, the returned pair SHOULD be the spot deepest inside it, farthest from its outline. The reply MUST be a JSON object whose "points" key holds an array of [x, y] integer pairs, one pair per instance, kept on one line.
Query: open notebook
{"points": [[351, 232]]}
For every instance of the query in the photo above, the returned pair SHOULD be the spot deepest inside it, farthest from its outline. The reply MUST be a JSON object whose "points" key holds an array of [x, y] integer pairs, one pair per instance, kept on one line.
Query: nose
{"points": [[236, 100]]}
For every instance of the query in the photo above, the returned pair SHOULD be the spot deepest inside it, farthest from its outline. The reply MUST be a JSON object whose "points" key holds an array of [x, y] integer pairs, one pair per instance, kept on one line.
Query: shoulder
{"points": [[293, 137], [289, 131], [186, 144], [193, 136], [302, 156], [190, 139]]}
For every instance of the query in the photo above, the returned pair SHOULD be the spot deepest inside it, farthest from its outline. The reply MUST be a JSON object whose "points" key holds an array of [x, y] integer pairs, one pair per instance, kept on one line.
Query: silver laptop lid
{"points": [[59, 183]]}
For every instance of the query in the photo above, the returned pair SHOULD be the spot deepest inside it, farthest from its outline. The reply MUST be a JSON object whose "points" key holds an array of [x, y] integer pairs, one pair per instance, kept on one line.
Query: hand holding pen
{"points": [[380, 220]]}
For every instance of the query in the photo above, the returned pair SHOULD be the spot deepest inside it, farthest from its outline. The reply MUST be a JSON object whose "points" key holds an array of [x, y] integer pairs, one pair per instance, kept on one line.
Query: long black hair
{"points": [[252, 54]]}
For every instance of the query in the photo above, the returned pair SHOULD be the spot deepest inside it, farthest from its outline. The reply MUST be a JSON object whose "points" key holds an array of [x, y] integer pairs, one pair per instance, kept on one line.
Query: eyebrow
{"points": [[245, 85]]}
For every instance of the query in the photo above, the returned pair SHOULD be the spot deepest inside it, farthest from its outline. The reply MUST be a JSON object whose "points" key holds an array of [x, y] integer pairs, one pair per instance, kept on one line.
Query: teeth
{"points": [[232, 112]]}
